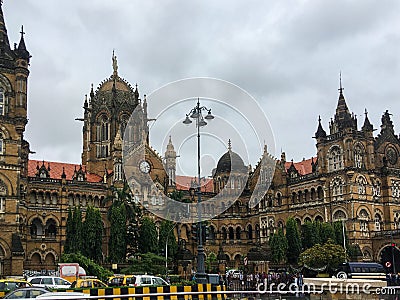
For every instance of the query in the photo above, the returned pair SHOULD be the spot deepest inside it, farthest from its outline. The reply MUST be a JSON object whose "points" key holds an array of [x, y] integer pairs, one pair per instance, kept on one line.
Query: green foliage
{"points": [[117, 241], [338, 229], [89, 265], [146, 263], [294, 240], [148, 236], [93, 233], [73, 240], [326, 232], [279, 247], [210, 261], [310, 235], [166, 236], [329, 254]]}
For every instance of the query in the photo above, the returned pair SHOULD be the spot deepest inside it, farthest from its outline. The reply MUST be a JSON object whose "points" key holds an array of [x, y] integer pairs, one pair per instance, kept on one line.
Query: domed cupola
{"points": [[230, 162]]}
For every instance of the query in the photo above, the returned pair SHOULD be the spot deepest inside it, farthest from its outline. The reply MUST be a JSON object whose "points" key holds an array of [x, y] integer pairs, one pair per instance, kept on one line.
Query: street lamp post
{"points": [[196, 113]]}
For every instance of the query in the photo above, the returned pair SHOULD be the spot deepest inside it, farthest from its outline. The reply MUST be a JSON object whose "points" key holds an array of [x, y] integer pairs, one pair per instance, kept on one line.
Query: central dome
{"points": [[230, 161]]}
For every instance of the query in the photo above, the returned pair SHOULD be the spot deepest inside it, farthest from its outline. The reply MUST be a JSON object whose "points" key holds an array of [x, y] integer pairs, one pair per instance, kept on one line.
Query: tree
{"points": [[329, 255], [73, 240], [279, 246], [294, 240], [309, 235], [146, 263], [69, 233], [326, 232], [117, 241], [338, 229], [93, 233], [148, 238]]}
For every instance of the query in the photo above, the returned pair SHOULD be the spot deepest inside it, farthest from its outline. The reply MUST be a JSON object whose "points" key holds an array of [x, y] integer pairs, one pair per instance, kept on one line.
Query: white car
{"points": [[64, 295], [51, 282], [142, 280]]}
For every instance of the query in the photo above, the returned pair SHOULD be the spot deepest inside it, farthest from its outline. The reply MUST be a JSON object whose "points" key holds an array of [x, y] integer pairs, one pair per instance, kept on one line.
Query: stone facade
{"points": [[354, 178]]}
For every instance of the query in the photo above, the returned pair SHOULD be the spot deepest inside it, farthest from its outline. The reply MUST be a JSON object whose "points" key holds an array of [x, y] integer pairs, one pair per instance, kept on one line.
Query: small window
{"points": [[47, 281]]}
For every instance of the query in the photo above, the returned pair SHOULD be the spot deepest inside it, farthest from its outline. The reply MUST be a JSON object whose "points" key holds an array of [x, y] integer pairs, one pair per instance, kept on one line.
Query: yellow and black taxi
{"points": [[121, 280], [10, 284], [88, 282]]}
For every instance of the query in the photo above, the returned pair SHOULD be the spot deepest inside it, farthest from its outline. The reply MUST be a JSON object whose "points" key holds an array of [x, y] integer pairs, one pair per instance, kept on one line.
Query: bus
{"points": [[361, 270]]}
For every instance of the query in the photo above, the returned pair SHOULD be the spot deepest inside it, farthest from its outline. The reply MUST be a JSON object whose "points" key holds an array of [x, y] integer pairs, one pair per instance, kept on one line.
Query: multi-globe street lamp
{"points": [[197, 114]]}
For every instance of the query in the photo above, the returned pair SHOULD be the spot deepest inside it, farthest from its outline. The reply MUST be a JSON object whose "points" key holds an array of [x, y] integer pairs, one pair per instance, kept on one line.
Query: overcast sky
{"points": [[286, 54]]}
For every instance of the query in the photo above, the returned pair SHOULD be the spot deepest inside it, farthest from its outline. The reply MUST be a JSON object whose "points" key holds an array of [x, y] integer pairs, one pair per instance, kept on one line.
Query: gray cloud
{"points": [[286, 54]]}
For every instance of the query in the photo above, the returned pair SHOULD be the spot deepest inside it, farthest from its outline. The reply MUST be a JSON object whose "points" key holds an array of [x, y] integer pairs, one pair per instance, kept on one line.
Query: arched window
{"points": [[378, 222], [362, 187], [279, 199], [337, 186], [376, 189], [2, 145], [124, 122], [238, 233], [3, 193], [2, 102], [103, 137], [231, 233], [358, 156], [335, 159], [224, 234], [339, 215], [249, 232], [364, 218], [396, 220]]}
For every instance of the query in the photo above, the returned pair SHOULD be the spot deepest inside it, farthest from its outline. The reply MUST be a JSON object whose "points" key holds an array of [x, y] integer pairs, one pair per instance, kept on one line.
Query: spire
{"points": [[229, 145], [342, 119], [320, 134], [137, 92], [21, 50], [4, 42], [367, 124], [114, 65]]}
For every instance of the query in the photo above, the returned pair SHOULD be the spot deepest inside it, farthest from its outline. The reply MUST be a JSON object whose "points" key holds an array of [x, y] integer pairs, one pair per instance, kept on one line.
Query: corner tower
{"points": [[14, 150]]}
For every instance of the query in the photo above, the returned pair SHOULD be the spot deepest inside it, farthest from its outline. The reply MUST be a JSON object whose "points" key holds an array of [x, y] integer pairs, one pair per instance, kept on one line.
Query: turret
{"points": [[170, 165]]}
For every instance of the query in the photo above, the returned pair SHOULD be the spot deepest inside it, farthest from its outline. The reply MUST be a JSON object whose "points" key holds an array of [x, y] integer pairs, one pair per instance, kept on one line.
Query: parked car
{"points": [[26, 293], [10, 284], [121, 280], [135, 280], [143, 280], [64, 295], [51, 282], [361, 270], [88, 282]]}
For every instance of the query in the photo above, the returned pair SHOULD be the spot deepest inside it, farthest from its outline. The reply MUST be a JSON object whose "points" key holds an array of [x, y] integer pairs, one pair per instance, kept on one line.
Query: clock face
{"points": [[144, 167]]}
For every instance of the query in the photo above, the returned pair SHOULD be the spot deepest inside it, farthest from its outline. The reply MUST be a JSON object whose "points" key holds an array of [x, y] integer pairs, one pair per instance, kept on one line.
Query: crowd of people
{"points": [[268, 281]]}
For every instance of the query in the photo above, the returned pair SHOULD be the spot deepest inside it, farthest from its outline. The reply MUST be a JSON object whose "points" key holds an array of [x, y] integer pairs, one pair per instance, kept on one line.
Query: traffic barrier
{"points": [[171, 292]]}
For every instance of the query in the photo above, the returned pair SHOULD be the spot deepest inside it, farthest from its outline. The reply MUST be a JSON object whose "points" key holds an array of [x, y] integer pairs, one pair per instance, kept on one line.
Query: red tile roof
{"points": [[56, 170], [185, 182], [304, 167]]}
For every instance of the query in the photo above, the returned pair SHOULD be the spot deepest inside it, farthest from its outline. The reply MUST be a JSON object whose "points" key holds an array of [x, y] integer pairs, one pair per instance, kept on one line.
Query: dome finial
{"points": [[229, 145], [115, 64]]}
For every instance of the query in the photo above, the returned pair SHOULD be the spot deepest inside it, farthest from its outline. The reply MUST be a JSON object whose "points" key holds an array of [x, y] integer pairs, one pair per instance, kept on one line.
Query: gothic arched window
{"points": [[335, 159], [3, 193], [103, 136], [358, 156], [337, 186], [378, 222], [2, 148], [2, 102], [361, 186]]}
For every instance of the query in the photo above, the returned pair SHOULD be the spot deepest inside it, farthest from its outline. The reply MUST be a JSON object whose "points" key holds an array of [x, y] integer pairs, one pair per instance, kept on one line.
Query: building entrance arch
{"points": [[389, 257]]}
